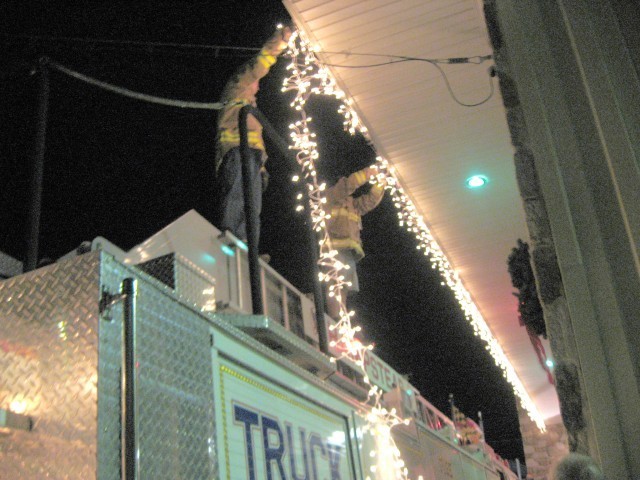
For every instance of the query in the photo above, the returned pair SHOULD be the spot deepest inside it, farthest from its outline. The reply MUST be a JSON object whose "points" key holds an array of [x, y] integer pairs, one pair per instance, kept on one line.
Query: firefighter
{"points": [[345, 223], [241, 90]]}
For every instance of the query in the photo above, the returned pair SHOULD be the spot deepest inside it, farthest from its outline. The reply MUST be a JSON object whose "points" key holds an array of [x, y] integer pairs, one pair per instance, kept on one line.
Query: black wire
{"points": [[435, 63], [368, 65], [476, 59], [216, 48], [453, 95], [130, 43]]}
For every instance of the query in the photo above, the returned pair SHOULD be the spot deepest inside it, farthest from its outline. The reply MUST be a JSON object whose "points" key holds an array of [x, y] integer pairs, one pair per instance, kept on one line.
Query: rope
{"points": [[135, 95]]}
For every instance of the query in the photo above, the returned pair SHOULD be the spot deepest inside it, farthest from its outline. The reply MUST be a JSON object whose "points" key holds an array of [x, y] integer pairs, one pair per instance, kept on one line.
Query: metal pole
{"points": [[454, 433], [451, 405], [129, 441], [318, 292], [518, 469], [251, 216], [37, 163]]}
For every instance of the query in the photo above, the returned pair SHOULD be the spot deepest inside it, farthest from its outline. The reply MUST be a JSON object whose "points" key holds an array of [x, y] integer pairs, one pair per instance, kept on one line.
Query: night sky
{"points": [[123, 169]]}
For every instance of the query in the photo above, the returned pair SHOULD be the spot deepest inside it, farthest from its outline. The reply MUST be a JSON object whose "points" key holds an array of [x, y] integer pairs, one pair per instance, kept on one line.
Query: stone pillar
{"points": [[573, 77], [542, 451]]}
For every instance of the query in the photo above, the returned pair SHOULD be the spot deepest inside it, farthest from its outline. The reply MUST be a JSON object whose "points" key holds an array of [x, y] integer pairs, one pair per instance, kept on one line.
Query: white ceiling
{"points": [[436, 144]]}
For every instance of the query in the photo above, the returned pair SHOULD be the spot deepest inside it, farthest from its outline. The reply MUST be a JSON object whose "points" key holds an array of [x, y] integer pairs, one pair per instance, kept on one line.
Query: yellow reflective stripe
{"points": [[266, 59], [238, 101], [361, 177], [229, 137], [345, 243], [342, 212]]}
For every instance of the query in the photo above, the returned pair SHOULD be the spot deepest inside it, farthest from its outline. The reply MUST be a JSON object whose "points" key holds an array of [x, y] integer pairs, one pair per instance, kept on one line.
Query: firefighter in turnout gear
{"points": [[345, 223], [239, 91]]}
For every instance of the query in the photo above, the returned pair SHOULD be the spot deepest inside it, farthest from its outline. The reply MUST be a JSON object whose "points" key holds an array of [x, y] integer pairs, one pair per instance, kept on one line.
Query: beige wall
{"points": [[542, 451]]}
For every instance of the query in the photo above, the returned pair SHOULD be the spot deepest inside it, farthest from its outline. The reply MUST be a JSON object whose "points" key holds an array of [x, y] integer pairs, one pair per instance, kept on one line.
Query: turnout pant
{"points": [[229, 193]]}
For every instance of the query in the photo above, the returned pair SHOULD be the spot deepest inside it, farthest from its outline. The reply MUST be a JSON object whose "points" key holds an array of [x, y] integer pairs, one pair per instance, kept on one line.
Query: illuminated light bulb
{"points": [[476, 181]]}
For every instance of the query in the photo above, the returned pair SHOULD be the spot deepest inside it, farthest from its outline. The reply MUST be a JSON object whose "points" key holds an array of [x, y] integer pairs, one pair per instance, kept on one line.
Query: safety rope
{"points": [[136, 95]]}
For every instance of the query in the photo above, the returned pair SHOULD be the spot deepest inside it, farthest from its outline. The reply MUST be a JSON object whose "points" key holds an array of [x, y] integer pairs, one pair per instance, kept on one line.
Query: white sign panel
{"points": [[270, 433]]}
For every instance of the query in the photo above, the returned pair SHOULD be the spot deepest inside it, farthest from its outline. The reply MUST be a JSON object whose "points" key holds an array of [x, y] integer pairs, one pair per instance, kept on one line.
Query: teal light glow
{"points": [[549, 363], [227, 250], [476, 181], [207, 258]]}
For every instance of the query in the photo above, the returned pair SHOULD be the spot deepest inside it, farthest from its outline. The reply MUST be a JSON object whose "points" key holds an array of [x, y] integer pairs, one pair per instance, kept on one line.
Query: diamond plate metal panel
{"points": [[109, 374], [195, 285], [176, 420], [61, 365], [191, 284], [174, 390], [49, 359]]}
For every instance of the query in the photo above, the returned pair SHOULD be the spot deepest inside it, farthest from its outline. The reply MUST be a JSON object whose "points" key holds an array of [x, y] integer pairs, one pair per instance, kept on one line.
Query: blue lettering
{"points": [[315, 442], [292, 456], [272, 453], [275, 449], [249, 419], [334, 460]]}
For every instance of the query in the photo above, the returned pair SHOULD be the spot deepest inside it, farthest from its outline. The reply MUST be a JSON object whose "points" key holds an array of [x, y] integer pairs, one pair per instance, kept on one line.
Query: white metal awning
{"points": [[435, 144]]}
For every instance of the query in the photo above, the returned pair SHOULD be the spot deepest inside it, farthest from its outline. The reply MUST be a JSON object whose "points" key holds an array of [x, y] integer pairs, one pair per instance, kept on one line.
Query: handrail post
{"points": [[251, 215], [318, 293], [128, 433], [37, 167]]}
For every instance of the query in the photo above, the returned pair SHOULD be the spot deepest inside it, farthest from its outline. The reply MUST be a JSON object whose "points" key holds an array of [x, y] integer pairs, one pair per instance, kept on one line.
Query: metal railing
{"points": [[252, 220]]}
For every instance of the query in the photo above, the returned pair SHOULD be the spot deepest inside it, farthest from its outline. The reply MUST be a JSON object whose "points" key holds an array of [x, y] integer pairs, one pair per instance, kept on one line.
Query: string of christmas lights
{"points": [[307, 77]]}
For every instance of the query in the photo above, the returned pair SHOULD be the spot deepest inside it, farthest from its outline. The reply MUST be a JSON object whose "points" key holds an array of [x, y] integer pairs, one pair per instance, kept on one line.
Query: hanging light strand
{"points": [[306, 77]]}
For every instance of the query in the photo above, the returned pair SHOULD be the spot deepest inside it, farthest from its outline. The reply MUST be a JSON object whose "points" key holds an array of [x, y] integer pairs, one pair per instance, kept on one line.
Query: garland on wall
{"points": [[529, 308]]}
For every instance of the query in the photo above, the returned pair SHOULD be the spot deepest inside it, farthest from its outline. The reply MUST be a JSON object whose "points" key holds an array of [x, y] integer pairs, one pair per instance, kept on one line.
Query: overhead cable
{"points": [[135, 95], [436, 62], [130, 43], [476, 59]]}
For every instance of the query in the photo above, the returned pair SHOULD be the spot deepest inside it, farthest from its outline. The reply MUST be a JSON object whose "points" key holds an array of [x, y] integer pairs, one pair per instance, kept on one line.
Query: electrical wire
{"points": [[453, 95], [436, 62], [129, 43], [477, 60], [370, 65], [135, 95]]}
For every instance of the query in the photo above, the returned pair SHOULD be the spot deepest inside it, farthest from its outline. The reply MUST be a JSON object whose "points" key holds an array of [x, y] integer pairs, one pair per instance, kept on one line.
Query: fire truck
{"points": [[149, 364]]}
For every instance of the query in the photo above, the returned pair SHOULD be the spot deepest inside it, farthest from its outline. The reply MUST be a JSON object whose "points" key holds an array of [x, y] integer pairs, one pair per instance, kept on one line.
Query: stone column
{"points": [[573, 76], [542, 450]]}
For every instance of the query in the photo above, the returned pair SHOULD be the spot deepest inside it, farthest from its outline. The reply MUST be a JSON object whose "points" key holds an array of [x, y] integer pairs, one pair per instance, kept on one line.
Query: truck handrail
{"points": [[252, 219]]}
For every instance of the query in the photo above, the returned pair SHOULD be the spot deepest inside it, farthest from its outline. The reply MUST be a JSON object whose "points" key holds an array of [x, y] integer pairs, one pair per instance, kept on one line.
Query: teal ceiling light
{"points": [[476, 181]]}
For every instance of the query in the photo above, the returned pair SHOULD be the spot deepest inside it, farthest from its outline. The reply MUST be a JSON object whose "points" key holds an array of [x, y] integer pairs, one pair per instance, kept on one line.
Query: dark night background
{"points": [[123, 169]]}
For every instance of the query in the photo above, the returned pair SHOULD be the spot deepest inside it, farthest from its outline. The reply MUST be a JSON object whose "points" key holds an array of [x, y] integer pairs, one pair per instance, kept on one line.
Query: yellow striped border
{"points": [[225, 370]]}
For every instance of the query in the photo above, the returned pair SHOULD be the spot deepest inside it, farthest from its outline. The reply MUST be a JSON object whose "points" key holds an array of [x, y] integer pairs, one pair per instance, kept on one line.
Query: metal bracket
{"points": [[16, 421], [108, 300]]}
